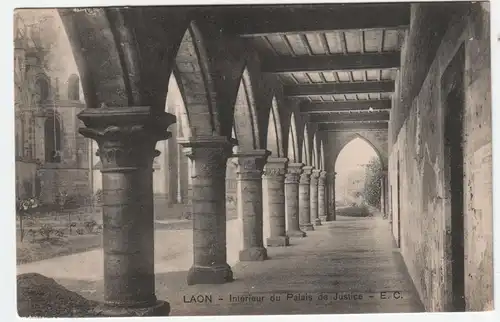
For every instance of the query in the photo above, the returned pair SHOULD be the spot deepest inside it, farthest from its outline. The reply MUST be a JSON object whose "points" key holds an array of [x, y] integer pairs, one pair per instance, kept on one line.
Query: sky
{"points": [[355, 154]]}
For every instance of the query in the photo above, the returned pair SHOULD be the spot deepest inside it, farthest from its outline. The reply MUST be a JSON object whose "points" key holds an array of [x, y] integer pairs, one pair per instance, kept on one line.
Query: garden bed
{"points": [[40, 296]]}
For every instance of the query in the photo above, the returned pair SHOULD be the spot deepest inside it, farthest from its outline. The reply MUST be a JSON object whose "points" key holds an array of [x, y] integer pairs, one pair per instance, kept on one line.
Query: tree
{"points": [[373, 175], [23, 208]]}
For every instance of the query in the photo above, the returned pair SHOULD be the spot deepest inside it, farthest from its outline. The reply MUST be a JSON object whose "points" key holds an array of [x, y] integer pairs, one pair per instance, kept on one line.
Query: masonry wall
{"points": [[419, 148]]}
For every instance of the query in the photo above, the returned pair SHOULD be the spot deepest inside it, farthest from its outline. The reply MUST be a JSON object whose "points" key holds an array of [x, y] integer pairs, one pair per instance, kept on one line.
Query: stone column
{"points": [[383, 193], [292, 178], [304, 199], [209, 155], [249, 180], [331, 184], [126, 137], [322, 205], [274, 174], [314, 198]]}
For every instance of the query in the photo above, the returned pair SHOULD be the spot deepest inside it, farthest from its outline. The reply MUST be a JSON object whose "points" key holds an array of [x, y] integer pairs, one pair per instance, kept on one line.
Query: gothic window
{"points": [[42, 89], [74, 88], [52, 140]]}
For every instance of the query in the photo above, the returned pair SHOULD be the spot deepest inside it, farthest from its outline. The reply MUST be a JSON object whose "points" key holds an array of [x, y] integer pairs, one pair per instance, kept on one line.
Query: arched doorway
{"points": [[358, 169]]}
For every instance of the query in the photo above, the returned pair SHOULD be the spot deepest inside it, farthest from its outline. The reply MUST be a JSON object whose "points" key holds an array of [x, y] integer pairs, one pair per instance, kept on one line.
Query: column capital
{"points": [[293, 173], [210, 154], [126, 136], [384, 172], [322, 178], [315, 176], [305, 177], [275, 167], [251, 163]]}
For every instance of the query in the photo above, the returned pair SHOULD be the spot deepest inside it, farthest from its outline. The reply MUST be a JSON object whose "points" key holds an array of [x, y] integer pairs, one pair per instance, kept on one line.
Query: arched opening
{"points": [[74, 88], [305, 155], [358, 169], [314, 154], [42, 89], [292, 147], [274, 140], [245, 116], [52, 140], [231, 184], [322, 156]]}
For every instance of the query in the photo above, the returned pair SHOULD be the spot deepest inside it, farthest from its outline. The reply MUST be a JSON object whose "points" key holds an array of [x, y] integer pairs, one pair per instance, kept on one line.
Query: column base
{"points": [[324, 218], [253, 254], [307, 227], [160, 308], [330, 217], [209, 275], [278, 241], [296, 233]]}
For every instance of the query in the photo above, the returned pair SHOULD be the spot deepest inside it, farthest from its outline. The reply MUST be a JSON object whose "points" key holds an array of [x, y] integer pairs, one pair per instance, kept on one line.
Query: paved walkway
{"points": [[346, 266]]}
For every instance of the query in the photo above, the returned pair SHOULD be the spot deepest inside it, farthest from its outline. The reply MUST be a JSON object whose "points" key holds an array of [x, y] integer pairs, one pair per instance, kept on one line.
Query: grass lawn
{"points": [[38, 249]]}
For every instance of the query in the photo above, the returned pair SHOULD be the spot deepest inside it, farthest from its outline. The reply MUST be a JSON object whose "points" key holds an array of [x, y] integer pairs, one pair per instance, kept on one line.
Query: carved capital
{"points": [[315, 175], [275, 168], [208, 153], [251, 164], [293, 173], [126, 136], [322, 178], [305, 177]]}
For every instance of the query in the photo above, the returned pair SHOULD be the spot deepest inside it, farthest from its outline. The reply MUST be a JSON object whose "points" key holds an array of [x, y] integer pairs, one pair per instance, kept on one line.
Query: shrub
{"points": [[46, 231], [90, 225], [80, 231]]}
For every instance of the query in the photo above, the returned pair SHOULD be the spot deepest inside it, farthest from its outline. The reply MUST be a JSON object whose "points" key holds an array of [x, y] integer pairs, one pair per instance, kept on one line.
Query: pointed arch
{"points": [[306, 151], [52, 138], [359, 136], [293, 144], [245, 115], [195, 83], [73, 87], [314, 154], [274, 134], [42, 88], [175, 104], [322, 155]]}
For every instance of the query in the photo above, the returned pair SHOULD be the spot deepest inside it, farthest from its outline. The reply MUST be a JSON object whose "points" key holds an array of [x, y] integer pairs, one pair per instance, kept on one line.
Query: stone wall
{"points": [[419, 149]]}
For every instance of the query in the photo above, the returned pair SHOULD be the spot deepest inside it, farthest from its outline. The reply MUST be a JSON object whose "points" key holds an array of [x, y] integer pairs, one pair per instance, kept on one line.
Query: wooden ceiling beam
{"points": [[350, 117], [336, 107], [339, 127], [328, 63], [338, 88]]}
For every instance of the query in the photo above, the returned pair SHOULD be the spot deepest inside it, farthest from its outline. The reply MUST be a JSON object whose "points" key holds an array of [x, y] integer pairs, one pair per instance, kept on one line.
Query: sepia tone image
{"points": [[253, 159]]}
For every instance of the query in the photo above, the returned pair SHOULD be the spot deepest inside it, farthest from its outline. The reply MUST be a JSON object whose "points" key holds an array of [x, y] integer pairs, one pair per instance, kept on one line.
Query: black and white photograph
{"points": [[253, 159]]}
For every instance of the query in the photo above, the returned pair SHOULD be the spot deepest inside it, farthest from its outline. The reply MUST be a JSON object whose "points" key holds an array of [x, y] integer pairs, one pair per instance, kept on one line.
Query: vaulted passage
{"points": [[257, 159]]}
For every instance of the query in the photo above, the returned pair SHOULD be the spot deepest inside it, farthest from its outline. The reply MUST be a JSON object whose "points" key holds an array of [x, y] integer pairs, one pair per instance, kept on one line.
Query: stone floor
{"points": [[351, 256]]}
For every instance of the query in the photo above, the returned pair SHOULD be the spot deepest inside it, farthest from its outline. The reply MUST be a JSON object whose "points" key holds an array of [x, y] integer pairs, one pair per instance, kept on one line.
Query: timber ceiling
{"points": [[339, 60]]}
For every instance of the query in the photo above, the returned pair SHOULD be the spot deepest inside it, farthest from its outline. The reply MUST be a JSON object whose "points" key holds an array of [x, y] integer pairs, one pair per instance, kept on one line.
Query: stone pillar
{"points": [[304, 199], [331, 184], [249, 180], [322, 205], [209, 155], [314, 198], [383, 194], [274, 174], [126, 137], [292, 200]]}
